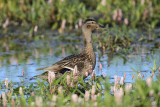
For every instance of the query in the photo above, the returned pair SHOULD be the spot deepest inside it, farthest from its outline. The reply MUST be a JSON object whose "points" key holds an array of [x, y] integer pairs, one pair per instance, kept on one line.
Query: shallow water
{"points": [[23, 53]]}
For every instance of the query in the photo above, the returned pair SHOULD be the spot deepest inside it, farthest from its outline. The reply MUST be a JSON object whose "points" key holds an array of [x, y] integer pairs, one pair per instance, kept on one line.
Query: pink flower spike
{"points": [[63, 25], [94, 97], [35, 28], [151, 93], [152, 75], [120, 14], [159, 71], [68, 79], [4, 99], [122, 81], [139, 75], [80, 22], [80, 100], [39, 101], [6, 83], [115, 14], [23, 73], [100, 65], [95, 104], [3, 95], [132, 77], [142, 2], [6, 23], [103, 2], [119, 95], [75, 70], [115, 83], [115, 88], [76, 26], [134, 2], [86, 95], [93, 90], [149, 81], [51, 76], [126, 21], [125, 76], [54, 97], [13, 103], [103, 75], [60, 90], [145, 14], [75, 98], [20, 90], [119, 79], [50, 1], [150, 3], [128, 88]]}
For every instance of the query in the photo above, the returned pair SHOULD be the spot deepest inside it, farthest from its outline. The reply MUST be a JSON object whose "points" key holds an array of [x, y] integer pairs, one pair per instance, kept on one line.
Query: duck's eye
{"points": [[92, 22]]}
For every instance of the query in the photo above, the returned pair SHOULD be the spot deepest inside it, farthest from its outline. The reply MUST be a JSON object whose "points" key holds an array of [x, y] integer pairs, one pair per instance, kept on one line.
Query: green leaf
{"points": [[134, 70], [30, 87]]}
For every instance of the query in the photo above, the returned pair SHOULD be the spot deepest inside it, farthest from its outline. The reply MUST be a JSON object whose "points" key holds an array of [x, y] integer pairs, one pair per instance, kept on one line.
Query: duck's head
{"points": [[90, 25]]}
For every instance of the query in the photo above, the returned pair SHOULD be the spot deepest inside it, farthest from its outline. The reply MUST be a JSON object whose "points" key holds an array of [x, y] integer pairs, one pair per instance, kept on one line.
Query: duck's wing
{"points": [[67, 64]]}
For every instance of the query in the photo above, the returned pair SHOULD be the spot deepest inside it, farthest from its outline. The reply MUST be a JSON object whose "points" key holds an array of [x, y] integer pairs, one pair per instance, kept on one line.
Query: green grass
{"points": [[101, 93], [44, 13]]}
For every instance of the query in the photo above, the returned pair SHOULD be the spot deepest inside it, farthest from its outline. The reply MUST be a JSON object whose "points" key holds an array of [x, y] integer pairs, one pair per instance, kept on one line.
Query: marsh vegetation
{"points": [[40, 33]]}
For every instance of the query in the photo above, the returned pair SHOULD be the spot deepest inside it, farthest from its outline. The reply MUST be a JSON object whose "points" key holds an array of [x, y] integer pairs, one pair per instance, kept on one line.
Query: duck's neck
{"points": [[88, 48]]}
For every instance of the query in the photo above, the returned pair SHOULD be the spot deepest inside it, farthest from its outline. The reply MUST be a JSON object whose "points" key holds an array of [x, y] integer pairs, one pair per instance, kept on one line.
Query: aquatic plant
{"points": [[98, 92], [65, 13]]}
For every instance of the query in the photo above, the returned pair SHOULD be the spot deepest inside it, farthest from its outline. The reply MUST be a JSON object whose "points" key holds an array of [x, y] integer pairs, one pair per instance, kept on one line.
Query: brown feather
{"points": [[82, 60]]}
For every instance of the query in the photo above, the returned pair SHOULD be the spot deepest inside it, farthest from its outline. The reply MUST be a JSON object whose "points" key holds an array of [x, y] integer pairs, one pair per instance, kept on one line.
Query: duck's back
{"points": [[83, 62]]}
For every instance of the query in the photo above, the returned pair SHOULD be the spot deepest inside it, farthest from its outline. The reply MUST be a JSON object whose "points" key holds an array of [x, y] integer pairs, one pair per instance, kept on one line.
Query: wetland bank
{"points": [[127, 53]]}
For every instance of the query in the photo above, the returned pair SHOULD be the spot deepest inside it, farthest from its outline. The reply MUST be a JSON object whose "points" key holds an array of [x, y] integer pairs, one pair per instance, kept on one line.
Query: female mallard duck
{"points": [[85, 61]]}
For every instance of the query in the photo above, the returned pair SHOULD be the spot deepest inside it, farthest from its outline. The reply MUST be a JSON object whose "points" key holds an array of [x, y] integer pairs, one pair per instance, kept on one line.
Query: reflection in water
{"points": [[20, 53]]}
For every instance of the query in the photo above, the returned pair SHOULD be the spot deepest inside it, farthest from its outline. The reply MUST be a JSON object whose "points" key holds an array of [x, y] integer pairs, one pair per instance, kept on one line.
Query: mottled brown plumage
{"points": [[83, 60]]}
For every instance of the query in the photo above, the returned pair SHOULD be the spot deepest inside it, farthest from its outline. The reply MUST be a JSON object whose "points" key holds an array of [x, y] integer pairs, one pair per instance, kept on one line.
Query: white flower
{"points": [[6, 82], [149, 81], [128, 88], [20, 90], [122, 81], [103, 2], [86, 95], [75, 98], [39, 101]]}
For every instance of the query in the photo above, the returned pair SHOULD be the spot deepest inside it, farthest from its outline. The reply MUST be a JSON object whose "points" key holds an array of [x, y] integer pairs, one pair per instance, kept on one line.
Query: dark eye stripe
{"points": [[91, 22]]}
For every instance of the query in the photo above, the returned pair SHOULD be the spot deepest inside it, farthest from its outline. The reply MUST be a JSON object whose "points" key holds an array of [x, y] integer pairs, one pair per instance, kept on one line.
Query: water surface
{"points": [[24, 53]]}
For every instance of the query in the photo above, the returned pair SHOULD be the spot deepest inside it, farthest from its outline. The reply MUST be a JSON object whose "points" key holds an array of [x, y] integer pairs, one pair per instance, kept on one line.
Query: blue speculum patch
{"points": [[64, 70]]}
